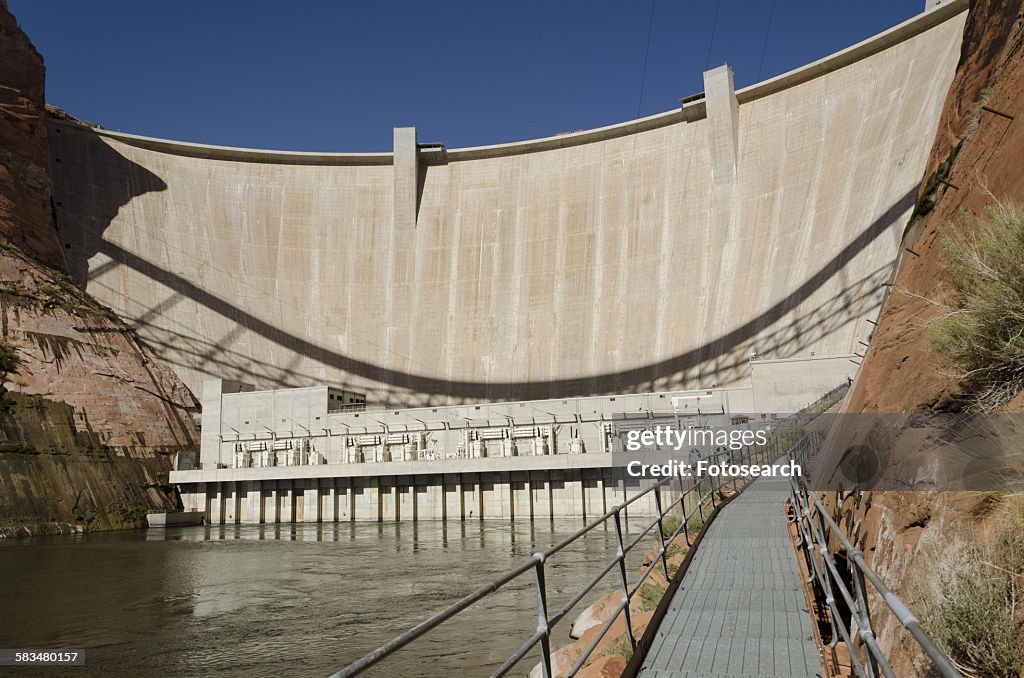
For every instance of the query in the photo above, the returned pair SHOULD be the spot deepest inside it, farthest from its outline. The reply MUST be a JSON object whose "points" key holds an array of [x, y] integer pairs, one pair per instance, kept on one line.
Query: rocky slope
{"points": [[912, 537], [987, 167], [90, 417], [24, 181]]}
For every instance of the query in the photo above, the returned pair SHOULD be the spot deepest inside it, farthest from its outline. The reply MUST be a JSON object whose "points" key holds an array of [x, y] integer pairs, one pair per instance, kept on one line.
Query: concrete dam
{"points": [[654, 255]]}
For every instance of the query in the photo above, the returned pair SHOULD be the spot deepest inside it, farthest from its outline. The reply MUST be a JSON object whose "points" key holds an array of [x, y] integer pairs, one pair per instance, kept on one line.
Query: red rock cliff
{"points": [[25, 220], [91, 417], [989, 166], [907, 536]]}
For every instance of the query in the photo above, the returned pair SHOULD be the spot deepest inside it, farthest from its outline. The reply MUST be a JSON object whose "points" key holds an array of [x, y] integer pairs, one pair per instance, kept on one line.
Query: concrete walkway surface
{"points": [[740, 609]]}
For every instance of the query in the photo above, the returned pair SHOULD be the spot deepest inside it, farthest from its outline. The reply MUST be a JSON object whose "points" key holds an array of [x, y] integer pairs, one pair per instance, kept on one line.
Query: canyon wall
{"points": [[911, 538], [89, 417]]}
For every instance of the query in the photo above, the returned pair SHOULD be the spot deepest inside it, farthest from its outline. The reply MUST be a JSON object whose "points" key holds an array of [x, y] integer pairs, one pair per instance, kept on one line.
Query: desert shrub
{"points": [[983, 334], [619, 646], [649, 596], [669, 524], [926, 200], [9, 363], [976, 611]]}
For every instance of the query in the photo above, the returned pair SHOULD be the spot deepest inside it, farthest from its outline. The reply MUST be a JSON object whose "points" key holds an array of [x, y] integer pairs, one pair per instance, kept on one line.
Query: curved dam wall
{"points": [[655, 255]]}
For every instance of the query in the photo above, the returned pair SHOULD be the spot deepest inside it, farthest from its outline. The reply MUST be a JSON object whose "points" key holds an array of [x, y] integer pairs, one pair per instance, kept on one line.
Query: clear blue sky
{"points": [[337, 76]]}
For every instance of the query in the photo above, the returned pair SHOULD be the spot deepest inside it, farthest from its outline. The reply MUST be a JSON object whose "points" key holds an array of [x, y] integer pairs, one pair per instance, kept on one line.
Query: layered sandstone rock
{"points": [[987, 168], [24, 182], [907, 536], [91, 418]]}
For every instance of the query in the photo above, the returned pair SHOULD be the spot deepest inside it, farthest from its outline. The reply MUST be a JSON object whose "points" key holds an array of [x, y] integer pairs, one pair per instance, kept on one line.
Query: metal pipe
{"points": [[542, 617], [625, 584], [661, 532], [939, 659]]}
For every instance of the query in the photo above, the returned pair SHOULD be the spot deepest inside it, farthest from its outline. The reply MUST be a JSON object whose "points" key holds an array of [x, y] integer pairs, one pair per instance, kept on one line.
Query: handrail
{"points": [[698, 494], [815, 527]]}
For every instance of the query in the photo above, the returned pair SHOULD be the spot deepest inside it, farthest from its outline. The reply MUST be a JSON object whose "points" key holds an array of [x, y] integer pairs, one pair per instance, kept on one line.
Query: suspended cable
{"points": [[647, 53], [764, 47], [711, 42]]}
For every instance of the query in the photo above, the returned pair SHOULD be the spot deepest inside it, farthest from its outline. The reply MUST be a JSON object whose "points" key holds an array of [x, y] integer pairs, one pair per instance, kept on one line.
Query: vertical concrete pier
{"points": [[723, 129], [405, 178]]}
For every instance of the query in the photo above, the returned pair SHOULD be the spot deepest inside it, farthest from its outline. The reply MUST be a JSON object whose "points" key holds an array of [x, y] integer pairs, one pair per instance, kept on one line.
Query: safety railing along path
{"points": [[689, 499], [693, 500], [740, 609], [822, 541]]}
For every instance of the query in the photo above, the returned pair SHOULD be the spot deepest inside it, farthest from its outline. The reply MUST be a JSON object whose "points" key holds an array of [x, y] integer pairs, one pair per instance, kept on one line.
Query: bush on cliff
{"points": [[976, 610], [983, 334], [9, 363]]}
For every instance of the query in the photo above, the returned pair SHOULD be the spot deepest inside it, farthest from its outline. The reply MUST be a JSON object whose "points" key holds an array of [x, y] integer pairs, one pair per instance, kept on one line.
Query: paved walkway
{"points": [[740, 610]]}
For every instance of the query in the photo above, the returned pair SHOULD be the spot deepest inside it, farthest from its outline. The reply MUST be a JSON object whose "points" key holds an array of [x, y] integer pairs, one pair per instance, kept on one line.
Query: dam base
{"points": [[526, 488]]}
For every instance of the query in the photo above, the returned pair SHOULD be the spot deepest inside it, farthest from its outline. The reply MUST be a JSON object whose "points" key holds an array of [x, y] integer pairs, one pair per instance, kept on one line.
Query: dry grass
{"points": [[983, 334], [648, 597], [975, 606], [619, 646]]}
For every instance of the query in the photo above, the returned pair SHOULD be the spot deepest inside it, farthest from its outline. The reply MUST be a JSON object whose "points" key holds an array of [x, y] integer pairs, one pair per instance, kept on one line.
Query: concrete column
{"points": [[590, 479], [388, 488], [558, 487], [577, 492], [311, 510], [253, 503], [366, 499], [268, 504], [519, 488], [540, 491], [193, 497], [285, 499], [452, 497], [472, 503], [329, 501], [343, 499], [723, 124], [430, 499], [209, 449], [234, 505], [216, 495], [406, 178], [404, 491], [494, 501]]}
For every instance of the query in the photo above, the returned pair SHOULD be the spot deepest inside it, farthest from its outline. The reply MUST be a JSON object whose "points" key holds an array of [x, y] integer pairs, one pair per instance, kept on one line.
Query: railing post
{"points": [[826, 571], [682, 509], [542, 615], [864, 614], [700, 500], [735, 481], [661, 533], [625, 583]]}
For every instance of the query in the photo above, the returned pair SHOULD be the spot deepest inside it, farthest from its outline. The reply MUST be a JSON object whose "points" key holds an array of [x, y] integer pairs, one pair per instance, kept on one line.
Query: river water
{"points": [[283, 600]]}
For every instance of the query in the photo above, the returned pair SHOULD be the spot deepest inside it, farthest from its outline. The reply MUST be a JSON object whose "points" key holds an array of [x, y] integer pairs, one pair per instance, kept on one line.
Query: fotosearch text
{"points": [[706, 467]]}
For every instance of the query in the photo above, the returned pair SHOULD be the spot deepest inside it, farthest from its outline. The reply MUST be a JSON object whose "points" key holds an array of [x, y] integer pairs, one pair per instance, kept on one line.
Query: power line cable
{"points": [[764, 47], [647, 53], [711, 42]]}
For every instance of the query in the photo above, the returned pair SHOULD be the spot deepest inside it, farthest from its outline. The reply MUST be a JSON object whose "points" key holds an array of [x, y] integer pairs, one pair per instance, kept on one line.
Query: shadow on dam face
{"points": [[108, 181]]}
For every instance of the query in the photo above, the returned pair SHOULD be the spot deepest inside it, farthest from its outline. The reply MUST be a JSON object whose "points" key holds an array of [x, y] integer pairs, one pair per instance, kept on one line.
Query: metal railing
{"points": [[699, 496], [815, 530]]}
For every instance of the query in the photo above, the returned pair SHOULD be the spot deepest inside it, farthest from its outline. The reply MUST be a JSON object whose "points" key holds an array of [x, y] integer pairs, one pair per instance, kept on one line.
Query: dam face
{"points": [[654, 255]]}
